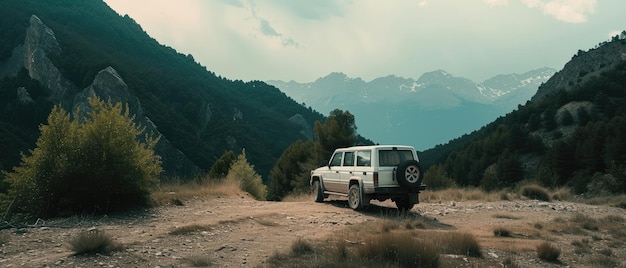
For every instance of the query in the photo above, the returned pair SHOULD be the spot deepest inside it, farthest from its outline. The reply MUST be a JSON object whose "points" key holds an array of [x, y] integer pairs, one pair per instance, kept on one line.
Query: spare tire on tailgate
{"points": [[409, 174]]}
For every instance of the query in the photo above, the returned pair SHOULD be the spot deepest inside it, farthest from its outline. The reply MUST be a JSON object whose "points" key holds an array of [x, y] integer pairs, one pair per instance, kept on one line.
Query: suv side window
{"points": [[393, 157], [336, 161], [363, 158], [348, 159]]}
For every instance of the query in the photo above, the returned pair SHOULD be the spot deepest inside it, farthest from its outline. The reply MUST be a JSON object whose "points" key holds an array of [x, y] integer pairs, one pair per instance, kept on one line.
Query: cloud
{"points": [[571, 11], [235, 3], [267, 29], [496, 2], [315, 10]]}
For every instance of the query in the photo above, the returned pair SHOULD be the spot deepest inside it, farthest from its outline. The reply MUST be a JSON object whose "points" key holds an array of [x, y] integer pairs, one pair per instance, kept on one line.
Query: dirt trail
{"points": [[238, 231]]}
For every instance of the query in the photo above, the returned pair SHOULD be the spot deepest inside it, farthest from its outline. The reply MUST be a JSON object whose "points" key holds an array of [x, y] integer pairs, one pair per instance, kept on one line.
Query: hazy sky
{"points": [[304, 40]]}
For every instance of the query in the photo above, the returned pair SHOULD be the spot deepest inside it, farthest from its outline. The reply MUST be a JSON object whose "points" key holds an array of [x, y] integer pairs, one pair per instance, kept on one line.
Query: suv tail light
{"points": [[375, 179]]}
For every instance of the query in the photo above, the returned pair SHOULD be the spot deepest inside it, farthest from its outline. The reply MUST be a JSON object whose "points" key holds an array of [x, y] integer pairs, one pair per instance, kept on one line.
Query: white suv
{"points": [[363, 173]]}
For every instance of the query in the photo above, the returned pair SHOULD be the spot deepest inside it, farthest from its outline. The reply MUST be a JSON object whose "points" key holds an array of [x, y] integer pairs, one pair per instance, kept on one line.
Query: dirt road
{"points": [[237, 231]]}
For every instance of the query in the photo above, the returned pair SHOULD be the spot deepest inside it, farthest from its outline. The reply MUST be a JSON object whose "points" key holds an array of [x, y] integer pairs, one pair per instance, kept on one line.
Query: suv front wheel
{"points": [[318, 192], [354, 197]]}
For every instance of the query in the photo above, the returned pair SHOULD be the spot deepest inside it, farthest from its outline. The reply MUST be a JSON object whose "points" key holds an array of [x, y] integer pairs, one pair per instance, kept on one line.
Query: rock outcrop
{"points": [[33, 55], [583, 67]]}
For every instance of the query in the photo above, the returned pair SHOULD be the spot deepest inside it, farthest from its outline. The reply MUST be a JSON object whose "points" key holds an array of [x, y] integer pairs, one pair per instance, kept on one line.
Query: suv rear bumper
{"points": [[398, 190]]}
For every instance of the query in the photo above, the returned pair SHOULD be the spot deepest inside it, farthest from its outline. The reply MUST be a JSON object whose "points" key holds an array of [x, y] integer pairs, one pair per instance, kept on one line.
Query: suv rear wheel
{"points": [[404, 204], [409, 174]]}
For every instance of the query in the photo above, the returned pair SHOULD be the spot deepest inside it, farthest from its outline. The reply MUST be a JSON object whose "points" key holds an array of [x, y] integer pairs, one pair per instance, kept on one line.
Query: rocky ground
{"points": [[237, 231]]}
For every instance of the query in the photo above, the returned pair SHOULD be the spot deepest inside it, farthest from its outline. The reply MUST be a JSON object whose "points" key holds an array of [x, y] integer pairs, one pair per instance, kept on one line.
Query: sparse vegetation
{"points": [[93, 241], [547, 252]]}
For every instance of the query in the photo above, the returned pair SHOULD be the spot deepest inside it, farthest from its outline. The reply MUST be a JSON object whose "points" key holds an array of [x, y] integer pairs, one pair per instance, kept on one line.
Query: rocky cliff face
{"points": [[33, 55], [584, 66], [40, 44]]}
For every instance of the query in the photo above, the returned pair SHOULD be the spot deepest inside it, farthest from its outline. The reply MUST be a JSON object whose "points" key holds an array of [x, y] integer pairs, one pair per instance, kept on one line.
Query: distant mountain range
{"points": [[425, 112]]}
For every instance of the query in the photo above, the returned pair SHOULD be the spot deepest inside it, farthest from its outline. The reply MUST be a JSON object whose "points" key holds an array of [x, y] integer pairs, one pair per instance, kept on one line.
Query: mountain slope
{"points": [[81, 46], [572, 133], [425, 112]]}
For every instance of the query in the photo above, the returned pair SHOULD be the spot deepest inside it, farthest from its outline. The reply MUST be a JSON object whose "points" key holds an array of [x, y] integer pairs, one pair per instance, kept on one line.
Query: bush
{"points": [[93, 241], [94, 164], [249, 180], [547, 252], [534, 191]]}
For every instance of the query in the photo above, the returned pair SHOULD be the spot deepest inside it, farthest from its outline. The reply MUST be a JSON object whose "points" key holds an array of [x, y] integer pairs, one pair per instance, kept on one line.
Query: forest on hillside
{"points": [[574, 138], [200, 113]]}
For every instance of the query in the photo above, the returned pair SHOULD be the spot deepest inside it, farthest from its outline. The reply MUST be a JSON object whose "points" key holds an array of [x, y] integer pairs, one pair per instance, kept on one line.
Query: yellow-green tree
{"points": [[248, 179], [97, 164]]}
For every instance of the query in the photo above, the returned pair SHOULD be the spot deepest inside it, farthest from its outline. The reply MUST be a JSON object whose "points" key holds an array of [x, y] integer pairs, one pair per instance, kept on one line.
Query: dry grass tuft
{"points": [[547, 252], [389, 225], [534, 191], [93, 241], [301, 247], [402, 250], [463, 244], [502, 232]]}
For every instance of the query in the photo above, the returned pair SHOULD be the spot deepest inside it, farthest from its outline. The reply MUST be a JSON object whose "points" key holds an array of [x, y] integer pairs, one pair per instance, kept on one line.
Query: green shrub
{"points": [[95, 164], [249, 180], [93, 241]]}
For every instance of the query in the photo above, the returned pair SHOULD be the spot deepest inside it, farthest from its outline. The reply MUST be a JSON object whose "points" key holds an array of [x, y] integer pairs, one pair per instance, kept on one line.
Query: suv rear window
{"points": [[394, 157]]}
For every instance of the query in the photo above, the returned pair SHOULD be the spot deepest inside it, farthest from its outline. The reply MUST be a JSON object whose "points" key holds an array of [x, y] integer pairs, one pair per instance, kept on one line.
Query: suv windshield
{"points": [[394, 157]]}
